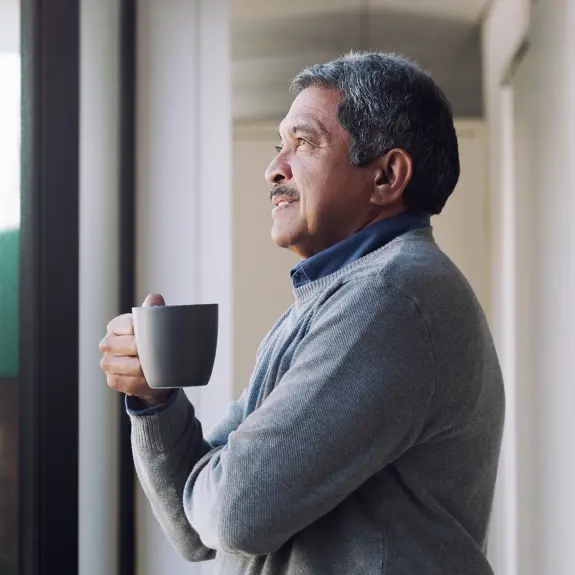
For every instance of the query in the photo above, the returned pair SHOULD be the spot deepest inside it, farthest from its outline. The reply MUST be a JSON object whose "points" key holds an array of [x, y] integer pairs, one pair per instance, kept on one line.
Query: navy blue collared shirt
{"points": [[355, 247]]}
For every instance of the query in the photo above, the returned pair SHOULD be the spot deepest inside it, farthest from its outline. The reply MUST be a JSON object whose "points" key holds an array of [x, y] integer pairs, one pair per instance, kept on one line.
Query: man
{"points": [[367, 441]]}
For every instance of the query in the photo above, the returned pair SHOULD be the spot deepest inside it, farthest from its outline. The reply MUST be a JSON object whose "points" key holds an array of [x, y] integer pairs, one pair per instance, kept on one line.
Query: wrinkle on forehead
{"points": [[304, 124], [317, 107]]}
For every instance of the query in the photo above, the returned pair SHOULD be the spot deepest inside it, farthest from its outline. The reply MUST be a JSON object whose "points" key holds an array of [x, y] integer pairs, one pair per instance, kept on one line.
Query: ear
{"points": [[392, 172]]}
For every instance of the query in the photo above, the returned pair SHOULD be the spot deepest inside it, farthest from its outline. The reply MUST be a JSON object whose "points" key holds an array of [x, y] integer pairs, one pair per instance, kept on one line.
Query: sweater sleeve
{"points": [[166, 445], [354, 399]]}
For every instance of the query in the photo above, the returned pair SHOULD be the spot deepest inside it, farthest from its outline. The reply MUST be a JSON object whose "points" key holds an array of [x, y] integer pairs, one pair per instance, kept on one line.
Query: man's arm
{"points": [[167, 439], [353, 401], [166, 446]]}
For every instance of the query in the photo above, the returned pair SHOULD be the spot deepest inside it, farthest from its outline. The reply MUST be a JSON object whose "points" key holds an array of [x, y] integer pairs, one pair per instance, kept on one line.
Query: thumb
{"points": [[154, 299]]}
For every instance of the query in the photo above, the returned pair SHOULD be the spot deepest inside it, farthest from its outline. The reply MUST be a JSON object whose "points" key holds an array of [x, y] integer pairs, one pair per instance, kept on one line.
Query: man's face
{"points": [[319, 197]]}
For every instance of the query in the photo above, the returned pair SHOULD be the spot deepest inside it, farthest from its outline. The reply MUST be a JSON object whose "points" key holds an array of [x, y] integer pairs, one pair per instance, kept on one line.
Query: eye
{"points": [[278, 148], [300, 142]]}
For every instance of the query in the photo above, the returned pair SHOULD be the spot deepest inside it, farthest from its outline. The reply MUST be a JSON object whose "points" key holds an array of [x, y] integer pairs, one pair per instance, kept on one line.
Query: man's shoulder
{"points": [[413, 261], [416, 267]]}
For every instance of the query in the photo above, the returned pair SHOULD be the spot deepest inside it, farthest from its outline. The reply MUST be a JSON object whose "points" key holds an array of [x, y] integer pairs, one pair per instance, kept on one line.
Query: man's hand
{"points": [[120, 359]]}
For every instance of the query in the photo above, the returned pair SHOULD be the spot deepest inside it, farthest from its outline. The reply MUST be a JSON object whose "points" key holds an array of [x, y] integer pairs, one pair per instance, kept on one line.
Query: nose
{"points": [[279, 171]]}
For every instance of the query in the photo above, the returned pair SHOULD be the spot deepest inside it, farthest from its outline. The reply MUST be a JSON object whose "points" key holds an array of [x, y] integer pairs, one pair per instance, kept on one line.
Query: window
{"points": [[9, 295]]}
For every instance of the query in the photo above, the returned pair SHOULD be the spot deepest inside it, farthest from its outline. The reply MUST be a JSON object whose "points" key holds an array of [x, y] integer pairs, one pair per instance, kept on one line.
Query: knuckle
{"points": [[128, 322], [130, 344], [137, 368], [121, 324], [112, 381], [128, 384], [133, 345], [129, 366], [104, 345], [108, 364]]}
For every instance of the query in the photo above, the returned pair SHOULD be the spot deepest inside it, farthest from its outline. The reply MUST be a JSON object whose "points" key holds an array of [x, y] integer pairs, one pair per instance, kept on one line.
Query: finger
{"points": [[154, 299], [119, 345], [127, 384], [129, 366], [122, 325]]}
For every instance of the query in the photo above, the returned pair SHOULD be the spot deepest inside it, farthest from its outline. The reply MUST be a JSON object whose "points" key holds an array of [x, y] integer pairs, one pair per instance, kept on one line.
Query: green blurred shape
{"points": [[9, 302]]}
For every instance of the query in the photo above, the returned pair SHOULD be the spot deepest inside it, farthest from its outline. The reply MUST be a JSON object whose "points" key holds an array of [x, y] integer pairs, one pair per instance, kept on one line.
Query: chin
{"points": [[291, 243], [283, 238], [280, 240]]}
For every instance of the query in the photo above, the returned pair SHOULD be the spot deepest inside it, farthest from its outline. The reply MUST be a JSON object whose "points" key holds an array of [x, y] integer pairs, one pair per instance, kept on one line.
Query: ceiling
{"points": [[271, 40], [465, 10]]}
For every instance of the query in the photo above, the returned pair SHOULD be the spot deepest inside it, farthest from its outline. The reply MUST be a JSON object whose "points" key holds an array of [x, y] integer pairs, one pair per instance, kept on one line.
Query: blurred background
{"points": [[134, 135]]}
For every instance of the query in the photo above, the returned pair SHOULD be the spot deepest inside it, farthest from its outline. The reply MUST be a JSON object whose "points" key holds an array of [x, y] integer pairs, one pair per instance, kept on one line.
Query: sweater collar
{"points": [[356, 247], [310, 289]]}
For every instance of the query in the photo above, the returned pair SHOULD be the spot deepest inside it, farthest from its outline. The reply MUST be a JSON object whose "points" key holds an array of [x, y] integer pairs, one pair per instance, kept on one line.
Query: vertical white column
{"points": [[184, 228], [554, 264], [544, 336], [504, 521], [504, 31], [215, 186], [525, 94], [99, 287]]}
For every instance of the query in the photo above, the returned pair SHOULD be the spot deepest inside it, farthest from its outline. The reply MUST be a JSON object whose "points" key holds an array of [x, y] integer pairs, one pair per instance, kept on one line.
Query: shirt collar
{"points": [[356, 246]]}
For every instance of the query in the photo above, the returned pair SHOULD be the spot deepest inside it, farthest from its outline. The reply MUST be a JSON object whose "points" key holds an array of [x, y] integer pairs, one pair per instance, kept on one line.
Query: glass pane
{"points": [[9, 288]]}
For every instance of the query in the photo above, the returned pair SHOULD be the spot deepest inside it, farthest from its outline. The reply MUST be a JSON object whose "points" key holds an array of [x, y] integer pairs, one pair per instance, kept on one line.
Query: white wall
{"points": [[462, 228], [532, 121], [262, 284], [184, 199], [263, 287]]}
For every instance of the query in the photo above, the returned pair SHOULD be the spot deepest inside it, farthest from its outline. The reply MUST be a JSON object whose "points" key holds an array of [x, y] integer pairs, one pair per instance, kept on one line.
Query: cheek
{"points": [[311, 179], [327, 187]]}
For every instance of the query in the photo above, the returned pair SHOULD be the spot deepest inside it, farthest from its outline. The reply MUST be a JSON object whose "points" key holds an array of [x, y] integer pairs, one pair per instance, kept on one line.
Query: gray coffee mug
{"points": [[176, 344]]}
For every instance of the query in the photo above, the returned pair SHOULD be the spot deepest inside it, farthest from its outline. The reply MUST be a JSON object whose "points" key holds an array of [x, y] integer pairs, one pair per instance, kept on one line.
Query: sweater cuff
{"points": [[134, 405], [161, 430]]}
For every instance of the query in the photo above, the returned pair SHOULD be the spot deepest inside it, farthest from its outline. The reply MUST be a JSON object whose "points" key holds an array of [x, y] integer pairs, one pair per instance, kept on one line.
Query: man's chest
{"points": [[275, 359]]}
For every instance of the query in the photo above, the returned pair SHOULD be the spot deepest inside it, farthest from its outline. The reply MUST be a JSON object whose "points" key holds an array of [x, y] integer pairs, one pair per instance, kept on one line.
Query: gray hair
{"points": [[390, 102]]}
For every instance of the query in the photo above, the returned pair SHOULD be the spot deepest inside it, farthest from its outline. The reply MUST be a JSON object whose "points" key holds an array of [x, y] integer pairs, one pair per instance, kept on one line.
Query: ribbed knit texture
{"points": [[366, 443]]}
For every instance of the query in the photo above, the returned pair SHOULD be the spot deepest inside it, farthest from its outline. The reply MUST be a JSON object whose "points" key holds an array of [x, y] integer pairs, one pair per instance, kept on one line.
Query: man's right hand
{"points": [[120, 359]]}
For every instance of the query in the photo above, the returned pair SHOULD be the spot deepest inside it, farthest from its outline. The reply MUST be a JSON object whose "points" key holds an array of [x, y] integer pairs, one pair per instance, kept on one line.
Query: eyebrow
{"points": [[313, 130], [310, 129]]}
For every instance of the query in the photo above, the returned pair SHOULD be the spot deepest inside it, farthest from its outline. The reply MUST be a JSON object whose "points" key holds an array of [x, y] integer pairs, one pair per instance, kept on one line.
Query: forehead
{"points": [[315, 105]]}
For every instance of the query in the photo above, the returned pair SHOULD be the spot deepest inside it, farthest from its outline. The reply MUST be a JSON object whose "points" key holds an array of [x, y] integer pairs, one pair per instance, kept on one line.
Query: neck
{"points": [[382, 215]]}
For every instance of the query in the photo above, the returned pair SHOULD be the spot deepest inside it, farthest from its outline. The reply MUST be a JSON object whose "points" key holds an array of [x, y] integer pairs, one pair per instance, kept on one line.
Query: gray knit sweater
{"points": [[366, 443]]}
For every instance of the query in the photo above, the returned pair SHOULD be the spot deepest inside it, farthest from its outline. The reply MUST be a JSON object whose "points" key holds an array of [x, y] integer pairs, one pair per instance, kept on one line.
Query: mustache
{"points": [[285, 192]]}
